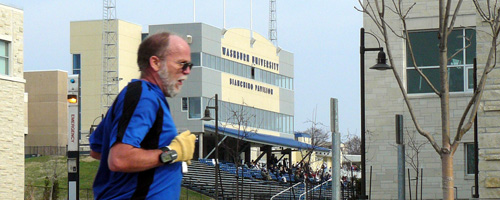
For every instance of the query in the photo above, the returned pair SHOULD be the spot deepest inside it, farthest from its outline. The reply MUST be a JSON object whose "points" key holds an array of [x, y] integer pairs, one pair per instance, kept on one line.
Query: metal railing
{"points": [[314, 188], [286, 190]]}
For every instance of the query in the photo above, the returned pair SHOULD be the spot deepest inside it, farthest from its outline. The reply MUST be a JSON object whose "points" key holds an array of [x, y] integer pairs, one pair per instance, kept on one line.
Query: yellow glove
{"points": [[183, 144]]}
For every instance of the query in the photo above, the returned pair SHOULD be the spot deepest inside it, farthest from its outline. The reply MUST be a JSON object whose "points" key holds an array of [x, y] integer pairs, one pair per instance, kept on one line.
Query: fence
{"points": [[44, 150]]}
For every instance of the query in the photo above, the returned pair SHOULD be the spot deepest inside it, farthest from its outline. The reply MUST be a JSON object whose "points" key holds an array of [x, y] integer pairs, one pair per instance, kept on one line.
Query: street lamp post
{"points": [[208, 118], [381, 65]]}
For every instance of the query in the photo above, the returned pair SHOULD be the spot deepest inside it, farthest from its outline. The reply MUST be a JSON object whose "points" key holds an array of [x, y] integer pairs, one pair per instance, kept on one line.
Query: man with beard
{"points": [[137, 142]]}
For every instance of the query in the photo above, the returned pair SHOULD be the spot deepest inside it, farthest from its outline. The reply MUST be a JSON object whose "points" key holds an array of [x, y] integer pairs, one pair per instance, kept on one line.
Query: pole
{"points": [[362, 51], [334, 124], [216, 108], [401, 157], [476, 147], [362, 84]]}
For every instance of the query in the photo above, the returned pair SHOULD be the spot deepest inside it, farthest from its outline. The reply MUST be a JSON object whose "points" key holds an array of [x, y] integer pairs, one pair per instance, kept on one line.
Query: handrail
{"points": [[285, 190], [300, 197]]}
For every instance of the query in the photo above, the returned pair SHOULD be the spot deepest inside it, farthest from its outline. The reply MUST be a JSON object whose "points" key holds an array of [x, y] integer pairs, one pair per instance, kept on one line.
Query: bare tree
{"points": [[489, 11], [352, 144], [412, 156], [241, 119]]}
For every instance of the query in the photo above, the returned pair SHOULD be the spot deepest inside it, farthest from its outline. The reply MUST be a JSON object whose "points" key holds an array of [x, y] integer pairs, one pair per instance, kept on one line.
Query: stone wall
{"points": [[384, 100], [12, 108], [488, 119]]}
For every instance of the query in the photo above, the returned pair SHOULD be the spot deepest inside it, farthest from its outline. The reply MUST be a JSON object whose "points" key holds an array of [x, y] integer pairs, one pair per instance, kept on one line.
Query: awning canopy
{"points": [[265, 139]]}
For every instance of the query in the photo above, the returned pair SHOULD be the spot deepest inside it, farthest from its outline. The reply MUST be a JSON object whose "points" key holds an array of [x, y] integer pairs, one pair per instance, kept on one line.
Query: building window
{"points": [[426, 52], [470, 155], [76, 63], [194, 104], [184, 104], [4, 57]]}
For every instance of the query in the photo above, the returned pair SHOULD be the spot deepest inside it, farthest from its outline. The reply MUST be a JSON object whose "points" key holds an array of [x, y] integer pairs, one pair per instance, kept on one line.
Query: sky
{"points": [[322, 34]]}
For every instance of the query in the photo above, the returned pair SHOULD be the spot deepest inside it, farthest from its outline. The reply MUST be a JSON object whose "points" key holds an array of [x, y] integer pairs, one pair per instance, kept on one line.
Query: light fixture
{"points": [[381, 62]]}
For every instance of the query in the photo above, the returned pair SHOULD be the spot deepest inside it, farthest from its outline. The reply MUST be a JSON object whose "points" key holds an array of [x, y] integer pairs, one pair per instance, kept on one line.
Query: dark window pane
{"points": [[425, 48], [76, 63], [470, 52], [195, 59], [184, 104], [194, 107], [416, 84], [455, 44], [456, 79], [470, 74], [470, 155]]}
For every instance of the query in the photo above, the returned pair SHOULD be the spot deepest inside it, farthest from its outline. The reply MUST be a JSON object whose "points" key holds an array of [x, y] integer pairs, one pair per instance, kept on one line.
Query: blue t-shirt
{"points": [[140, 116]]}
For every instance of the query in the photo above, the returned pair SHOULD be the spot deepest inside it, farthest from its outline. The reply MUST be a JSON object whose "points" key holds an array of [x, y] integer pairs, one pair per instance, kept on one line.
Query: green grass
{"points": [[37, 168]]}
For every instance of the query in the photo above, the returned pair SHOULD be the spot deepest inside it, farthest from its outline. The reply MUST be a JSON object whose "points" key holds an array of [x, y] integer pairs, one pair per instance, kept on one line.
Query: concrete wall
{"points": [[13, 107], [384, 100], [48, 108]]}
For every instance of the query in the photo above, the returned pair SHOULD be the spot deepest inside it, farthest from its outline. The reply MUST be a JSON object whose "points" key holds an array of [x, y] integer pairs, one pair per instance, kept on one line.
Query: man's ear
{"points": [[154, 62]]}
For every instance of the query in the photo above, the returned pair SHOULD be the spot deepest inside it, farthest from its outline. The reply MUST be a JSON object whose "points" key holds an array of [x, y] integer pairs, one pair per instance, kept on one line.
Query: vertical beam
{"points": [[363, 128], [401, 157], [476, 145], [334, 124]]}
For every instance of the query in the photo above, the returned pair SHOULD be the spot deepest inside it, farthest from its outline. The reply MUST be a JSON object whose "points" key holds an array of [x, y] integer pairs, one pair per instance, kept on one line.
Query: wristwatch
{"points": [[168, 155]]}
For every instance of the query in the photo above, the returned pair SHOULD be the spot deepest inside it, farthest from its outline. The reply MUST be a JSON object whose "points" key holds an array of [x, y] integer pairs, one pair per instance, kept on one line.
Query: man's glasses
{"points": [[186, 65]]}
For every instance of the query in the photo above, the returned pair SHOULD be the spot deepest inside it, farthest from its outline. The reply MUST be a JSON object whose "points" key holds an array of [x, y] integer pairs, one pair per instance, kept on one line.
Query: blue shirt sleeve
{"points": [[95, 140]]}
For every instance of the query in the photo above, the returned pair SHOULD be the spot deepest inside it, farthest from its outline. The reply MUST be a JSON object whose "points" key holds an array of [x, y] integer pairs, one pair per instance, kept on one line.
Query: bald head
{"points": [[158, 45]]}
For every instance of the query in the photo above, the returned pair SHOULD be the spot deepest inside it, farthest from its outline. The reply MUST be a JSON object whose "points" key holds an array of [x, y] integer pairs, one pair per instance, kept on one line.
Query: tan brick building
{"points": [[384, 100], [13, 123], [48, 112]]}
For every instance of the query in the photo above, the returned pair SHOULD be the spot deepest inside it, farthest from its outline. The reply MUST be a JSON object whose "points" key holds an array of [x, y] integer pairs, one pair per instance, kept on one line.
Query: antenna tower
{"points": [[109, 55], [273, 34]]}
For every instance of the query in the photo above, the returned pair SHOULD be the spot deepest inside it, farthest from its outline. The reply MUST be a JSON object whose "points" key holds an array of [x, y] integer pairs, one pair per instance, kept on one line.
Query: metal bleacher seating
{"points": [[201, 178]]}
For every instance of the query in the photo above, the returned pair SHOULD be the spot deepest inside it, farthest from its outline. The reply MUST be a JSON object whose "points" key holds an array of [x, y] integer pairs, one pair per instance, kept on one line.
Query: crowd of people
{"points": [[299, 172]]}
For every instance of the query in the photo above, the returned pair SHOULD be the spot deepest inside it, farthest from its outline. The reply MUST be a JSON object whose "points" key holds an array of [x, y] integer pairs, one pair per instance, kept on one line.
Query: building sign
{"points": [[250, 86], [239, 90], [245, 59], [236, 47]]}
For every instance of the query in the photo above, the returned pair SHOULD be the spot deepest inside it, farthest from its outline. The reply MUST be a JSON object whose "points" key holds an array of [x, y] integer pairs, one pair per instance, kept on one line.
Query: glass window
{"points": [[212, 62], [470, 78], [206, 60], [231, 67], [426, 52], [469, 158], [470, 52], [184, 104], [195, 59], [4, 57], [194, 108], [76, 63], [217, 63], [223, 63]]}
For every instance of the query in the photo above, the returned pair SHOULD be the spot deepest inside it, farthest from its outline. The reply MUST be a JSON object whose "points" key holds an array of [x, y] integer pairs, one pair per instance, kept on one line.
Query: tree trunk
{"points": [[448, 181]]}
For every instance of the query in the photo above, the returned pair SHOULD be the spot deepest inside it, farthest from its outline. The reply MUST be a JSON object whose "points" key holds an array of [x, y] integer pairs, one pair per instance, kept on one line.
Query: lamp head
{"points": [[381, 62], [207, 115]]}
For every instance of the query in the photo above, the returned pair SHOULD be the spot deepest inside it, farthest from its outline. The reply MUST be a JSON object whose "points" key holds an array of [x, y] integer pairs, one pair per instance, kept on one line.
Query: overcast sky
{"points": [[322, 34]]}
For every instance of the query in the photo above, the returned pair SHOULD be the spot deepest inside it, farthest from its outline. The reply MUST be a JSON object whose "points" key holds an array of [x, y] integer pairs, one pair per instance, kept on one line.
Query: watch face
{"points": [[168, 157]]}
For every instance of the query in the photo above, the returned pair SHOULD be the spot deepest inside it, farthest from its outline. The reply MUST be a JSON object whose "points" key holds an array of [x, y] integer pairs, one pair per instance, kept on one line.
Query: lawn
{"points": [[39, 170]]}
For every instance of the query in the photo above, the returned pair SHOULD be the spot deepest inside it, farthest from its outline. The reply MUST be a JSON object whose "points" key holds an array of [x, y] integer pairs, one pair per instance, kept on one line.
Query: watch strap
{"points": [[165, 148]]}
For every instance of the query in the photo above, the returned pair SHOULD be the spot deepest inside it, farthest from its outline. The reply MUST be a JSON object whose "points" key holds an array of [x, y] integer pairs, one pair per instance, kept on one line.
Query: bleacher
{"points": [[201, 178]]}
